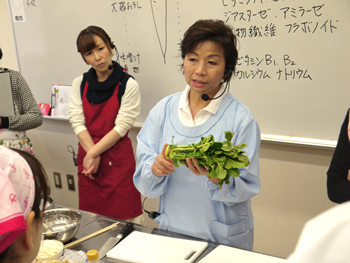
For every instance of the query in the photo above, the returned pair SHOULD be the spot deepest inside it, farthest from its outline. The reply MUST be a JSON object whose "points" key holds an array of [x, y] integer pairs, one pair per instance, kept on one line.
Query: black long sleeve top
{"points": [[338, 186]]}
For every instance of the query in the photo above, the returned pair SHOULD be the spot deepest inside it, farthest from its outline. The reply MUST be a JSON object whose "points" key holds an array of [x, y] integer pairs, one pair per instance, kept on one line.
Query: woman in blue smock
{"points": [[190, 202]]}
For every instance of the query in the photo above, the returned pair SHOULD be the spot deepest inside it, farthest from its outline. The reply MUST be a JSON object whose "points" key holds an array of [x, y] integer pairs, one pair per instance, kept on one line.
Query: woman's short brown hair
{"points": [[218, 32], [85, 40]]}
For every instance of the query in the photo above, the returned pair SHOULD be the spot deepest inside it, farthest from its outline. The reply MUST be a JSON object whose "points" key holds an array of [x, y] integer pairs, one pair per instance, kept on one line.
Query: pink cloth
{"points": [[16, 196]]}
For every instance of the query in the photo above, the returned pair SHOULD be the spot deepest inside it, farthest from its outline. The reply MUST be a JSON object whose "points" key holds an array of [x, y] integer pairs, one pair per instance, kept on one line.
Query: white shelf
{"points": [[299, 141], [264, 137], [56, 118]]}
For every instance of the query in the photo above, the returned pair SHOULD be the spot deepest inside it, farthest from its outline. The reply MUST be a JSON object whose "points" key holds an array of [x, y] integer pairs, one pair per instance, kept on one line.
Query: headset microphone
{"points": [[205, 97], [110, 67], [151, 214]]}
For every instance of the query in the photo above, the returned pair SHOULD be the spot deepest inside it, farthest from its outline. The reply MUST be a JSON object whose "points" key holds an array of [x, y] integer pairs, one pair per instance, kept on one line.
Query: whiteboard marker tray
{"points": [[149, 248]]}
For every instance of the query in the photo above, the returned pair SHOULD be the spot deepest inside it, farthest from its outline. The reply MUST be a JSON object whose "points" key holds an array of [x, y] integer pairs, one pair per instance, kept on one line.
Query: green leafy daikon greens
{"points": [[222, 158]]}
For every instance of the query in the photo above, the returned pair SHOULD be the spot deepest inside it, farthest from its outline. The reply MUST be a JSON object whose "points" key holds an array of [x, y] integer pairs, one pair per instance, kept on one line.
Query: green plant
{"points": [[222, 159]]}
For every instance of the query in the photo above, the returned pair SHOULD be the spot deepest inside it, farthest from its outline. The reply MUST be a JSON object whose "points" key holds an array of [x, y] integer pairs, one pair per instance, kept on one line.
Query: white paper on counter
{"points": [[149, 248], [225, 254]]}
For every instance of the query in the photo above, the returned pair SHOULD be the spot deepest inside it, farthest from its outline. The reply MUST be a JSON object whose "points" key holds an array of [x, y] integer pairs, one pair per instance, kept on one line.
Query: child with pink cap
{"points": [[23, 185]]}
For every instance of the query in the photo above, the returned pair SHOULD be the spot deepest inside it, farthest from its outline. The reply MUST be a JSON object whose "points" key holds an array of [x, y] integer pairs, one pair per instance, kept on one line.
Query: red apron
{"points": [[112, 193]]}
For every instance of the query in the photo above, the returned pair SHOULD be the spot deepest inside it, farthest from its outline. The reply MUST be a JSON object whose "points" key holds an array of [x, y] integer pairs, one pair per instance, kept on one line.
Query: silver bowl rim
{"points": [[62, 209]]}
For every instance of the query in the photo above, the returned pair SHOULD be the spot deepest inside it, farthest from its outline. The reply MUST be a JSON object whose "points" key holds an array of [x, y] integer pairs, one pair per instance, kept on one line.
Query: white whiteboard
{"points": [[294, 55]]}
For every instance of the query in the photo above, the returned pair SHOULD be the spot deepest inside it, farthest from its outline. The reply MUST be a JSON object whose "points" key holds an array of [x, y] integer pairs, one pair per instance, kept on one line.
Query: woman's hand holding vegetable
{"points": [[162, 166], [217, 160], [192, 164]]}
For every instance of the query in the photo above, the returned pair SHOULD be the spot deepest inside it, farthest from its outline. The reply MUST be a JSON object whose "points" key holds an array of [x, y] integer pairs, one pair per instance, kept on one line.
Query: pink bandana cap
{"points": [[16, 196]]}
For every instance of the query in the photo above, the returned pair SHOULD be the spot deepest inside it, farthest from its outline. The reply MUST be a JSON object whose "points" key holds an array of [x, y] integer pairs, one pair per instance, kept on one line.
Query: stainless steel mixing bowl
{"points": [[61, 224]]}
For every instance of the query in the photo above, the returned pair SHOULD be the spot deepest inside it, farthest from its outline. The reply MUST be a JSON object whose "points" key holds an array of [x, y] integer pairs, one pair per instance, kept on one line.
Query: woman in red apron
{"points": [[105, 104]]}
